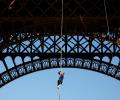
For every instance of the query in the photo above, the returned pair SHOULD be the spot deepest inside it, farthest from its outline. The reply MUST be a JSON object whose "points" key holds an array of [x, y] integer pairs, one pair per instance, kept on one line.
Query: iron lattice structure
{"points": [[30, 34]]}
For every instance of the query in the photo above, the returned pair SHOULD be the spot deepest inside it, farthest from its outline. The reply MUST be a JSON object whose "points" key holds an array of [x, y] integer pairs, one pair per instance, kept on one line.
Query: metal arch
{"points": [[94, 42], [23, 21], [43, 64], [78, 52]]}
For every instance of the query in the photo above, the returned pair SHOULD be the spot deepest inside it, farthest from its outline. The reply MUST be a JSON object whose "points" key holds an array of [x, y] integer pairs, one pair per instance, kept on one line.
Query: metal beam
{"points": [[72, 25]]}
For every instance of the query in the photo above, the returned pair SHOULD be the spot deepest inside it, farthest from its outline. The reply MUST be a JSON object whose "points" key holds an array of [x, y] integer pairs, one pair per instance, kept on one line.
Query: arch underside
{"points": [[91, 42], [70, 62], [43, 52]]}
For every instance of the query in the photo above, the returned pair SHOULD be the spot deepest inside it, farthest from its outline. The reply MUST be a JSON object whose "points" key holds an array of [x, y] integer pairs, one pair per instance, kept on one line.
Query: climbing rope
{"points": [[58, 94], [10, 6], [61, 55]]}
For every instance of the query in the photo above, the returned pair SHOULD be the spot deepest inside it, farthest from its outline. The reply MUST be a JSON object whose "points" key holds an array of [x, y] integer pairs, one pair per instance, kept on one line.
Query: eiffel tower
{"points": [[30, 37]]}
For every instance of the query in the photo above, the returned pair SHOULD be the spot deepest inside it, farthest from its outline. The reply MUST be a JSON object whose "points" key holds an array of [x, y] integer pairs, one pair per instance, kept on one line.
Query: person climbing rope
{"points": [[60, 80]]}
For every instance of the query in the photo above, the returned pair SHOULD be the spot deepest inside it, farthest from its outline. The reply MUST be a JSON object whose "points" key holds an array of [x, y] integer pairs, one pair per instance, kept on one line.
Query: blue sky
{"points": [[79, 84]]}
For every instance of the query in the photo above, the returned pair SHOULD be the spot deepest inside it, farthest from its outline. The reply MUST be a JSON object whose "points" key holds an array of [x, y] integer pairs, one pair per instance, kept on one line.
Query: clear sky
{"points": [[79, 84]]}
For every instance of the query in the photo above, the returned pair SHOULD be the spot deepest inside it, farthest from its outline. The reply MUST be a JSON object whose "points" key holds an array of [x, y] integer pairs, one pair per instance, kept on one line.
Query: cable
{"points": [[10, 6], [58, 94], [106, 15], [61, 35], [107, 19], [84, 26]]}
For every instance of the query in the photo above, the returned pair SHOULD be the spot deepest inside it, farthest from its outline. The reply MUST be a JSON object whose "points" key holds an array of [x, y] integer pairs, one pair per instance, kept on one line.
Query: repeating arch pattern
{"points": [[38, 43], [79, 51], [43, 64]]}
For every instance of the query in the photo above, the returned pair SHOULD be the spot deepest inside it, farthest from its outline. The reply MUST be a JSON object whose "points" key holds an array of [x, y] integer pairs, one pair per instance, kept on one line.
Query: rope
{"points": [[58, 94], [106, 15], [12, 2], [61, 35]]}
